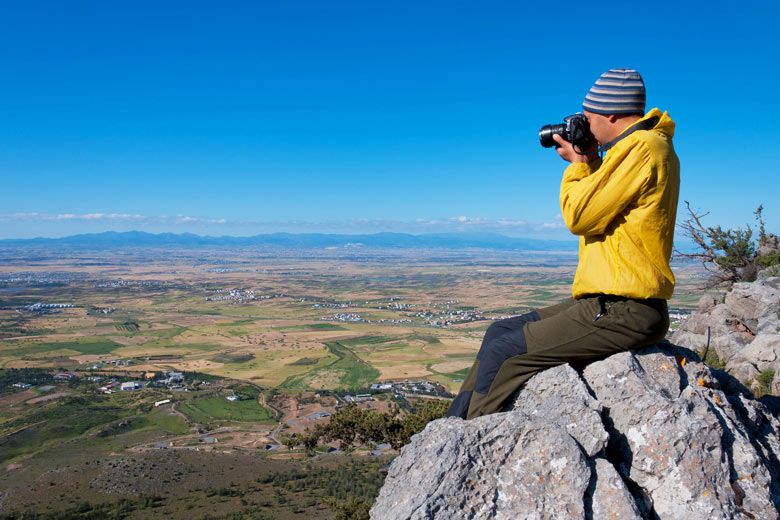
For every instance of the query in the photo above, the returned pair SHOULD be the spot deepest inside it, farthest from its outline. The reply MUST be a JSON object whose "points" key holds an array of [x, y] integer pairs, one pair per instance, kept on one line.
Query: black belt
{"points": [[604, 298]]}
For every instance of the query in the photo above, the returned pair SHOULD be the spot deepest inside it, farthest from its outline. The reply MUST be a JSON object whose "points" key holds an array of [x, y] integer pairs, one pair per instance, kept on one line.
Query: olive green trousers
{"points": [[574, 331]]}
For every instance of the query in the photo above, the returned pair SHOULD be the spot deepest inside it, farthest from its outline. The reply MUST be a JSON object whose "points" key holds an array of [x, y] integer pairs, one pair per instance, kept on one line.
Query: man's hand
{"points": [[566, 150]]}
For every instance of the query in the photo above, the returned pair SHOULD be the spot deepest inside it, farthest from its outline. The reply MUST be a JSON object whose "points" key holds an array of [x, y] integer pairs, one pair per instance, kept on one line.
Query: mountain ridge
{"points": [[464, 240]]}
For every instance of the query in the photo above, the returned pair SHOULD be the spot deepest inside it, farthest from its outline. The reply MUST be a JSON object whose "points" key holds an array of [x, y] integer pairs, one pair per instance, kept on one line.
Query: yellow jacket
{"points": [[624, 210]]}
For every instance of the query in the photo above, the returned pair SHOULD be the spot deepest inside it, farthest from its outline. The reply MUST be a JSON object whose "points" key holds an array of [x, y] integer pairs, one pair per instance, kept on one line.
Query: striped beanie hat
{"points": [[617, 91]]}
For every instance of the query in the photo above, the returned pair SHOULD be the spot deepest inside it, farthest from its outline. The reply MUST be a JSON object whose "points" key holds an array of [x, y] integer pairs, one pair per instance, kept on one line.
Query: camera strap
{"points": [[645, 124]]}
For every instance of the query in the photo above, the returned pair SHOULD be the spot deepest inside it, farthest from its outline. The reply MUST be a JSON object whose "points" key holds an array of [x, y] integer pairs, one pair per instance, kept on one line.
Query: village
{"points": [[40, 308], [41, 278]]}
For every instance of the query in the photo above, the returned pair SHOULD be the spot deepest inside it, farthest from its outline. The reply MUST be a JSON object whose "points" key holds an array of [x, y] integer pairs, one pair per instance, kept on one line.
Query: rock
{"points": [[757, 302], [776, 383], [561, 397], [743, 304], [743, 328], [611, 499], [742, 369], [507, 465], [682, 456], [727, 335], [644, 434], [763, 353], [708, 302], [769, 245], [697, 323]]}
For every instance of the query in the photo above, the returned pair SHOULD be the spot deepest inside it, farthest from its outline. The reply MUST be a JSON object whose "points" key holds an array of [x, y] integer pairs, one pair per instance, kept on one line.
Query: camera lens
{"points": [[547, 132]]}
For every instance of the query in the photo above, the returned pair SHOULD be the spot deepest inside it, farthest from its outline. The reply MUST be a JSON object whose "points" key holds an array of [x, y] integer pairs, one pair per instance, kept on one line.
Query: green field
{"points": [[344, 371], [90, 346], [218, 408], [314, 326], [97, 417]]}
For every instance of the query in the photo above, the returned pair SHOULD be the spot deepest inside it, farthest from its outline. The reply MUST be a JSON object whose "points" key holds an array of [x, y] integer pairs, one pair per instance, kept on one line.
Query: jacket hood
{"points": [[665, 124]]}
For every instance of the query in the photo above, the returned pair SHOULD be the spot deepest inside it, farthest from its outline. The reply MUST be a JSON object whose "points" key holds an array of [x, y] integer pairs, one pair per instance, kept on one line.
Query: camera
{"points": [[575, 129]]}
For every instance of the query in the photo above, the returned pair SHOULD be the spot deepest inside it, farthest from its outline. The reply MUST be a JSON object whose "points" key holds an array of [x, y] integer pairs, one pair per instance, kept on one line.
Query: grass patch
{"points": [[712, 360], [460, 374], [431, 340], [159, 420], [165, 333], [234, 358], [345, 371], [218, 408], [236, 323], [367, 340], [304, 361], [58, 422], [314, 326], [764, 380], [87, 347]]}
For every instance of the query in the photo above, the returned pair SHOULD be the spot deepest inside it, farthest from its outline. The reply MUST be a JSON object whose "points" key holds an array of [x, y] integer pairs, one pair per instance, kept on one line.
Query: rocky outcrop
{"points": [[649, 434], [769, 245], [744, 328]]}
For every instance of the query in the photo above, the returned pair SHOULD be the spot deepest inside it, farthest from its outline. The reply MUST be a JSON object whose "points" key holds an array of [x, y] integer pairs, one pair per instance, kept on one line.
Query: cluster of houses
{"points": [[113, 284], [421, 387], [240, 296], [61, 377], [40, 278], [398, 306], [395, 320], [172, 381], [234, 295], [344, 305], [115, 362], [109, 388], [41, 308], [432, 317], [344, 316], [104, 310], [450, 317], [359, 398], [676, 316]]}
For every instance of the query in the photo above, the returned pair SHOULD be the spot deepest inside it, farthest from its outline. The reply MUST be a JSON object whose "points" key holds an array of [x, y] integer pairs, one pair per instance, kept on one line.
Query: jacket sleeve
{"points": [[592, 195]]}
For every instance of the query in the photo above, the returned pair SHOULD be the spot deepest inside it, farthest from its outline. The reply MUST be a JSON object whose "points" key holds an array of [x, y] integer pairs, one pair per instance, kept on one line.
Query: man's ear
{"points": [[612, 118]]}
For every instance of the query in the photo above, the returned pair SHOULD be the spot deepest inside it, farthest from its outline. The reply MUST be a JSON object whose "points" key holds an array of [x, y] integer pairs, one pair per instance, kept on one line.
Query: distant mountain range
{"points": [[113, 239]]}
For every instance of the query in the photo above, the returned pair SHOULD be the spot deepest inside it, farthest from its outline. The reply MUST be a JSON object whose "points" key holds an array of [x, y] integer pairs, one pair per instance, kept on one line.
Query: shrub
{"points": [[730, 255], [352, 425], [764, 380]]}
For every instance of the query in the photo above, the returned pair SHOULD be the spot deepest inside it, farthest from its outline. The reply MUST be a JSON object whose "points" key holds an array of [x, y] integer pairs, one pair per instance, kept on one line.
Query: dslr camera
{"points": [[575, 129]]}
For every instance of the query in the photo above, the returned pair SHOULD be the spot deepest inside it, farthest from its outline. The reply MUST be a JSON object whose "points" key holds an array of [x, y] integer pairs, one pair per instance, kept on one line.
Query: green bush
{"points": [[764, 380], [711, 359], [731, 255], [352, 425]]}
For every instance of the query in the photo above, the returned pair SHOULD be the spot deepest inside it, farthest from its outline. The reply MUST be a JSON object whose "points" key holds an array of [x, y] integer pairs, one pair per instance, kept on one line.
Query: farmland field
{"points": [[316, 319], [289, 333], [218, 408]]}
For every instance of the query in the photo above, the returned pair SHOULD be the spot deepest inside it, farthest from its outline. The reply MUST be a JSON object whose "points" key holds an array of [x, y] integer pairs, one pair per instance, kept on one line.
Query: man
{"points": [[623, 207]]}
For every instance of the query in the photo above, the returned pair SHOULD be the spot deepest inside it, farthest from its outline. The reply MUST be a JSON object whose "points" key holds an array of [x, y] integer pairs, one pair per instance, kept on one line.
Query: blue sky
{"points": [[241, 118]]}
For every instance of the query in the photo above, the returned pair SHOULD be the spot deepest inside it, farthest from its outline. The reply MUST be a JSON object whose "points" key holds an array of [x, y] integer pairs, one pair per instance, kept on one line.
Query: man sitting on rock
{"points": [[623, 207]]}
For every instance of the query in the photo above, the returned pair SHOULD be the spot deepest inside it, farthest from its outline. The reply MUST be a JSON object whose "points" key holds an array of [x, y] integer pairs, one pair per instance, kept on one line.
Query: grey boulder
{"points": [[649, 434]]}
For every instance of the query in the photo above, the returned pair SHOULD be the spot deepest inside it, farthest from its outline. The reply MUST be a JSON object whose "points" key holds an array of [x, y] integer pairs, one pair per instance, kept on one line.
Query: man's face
{"points": [[599, 126]]}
